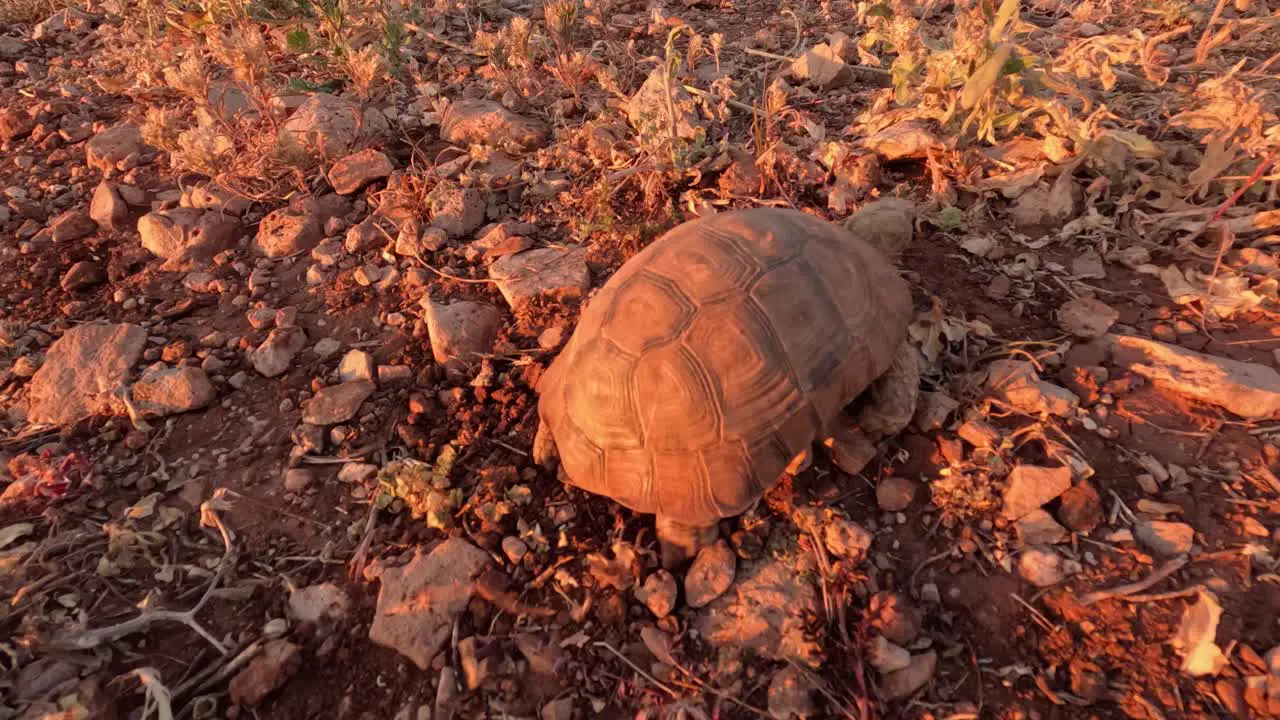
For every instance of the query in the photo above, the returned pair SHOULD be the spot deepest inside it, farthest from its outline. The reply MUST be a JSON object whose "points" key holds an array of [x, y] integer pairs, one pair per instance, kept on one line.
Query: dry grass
{"points": [[25, 11]]}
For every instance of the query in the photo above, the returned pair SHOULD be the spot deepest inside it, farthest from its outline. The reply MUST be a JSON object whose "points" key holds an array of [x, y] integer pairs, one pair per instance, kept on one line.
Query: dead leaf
{"points": [[619, 572], [980, 245], [659, 643], [1195, 637], [1087, 317], [14, 532], [1218, 157]]}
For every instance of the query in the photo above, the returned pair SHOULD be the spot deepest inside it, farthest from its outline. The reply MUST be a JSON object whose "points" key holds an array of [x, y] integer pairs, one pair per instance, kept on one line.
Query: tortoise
{"points": [[711, 361]]}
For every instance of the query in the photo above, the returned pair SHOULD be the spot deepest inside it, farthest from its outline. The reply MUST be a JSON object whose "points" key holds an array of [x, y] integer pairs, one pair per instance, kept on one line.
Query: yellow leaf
{"points": [[985, 77]]}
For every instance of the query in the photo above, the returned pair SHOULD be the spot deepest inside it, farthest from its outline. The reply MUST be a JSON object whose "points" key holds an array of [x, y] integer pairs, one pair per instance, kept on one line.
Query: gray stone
{"points": [[72, 225], [84, 274], [290, 230], [710, 575], [111, 146], [418, 602], [658, 593], [551, 273], [356, 365], [81, 371], [274, 356], [1249, 390], [171, 391], [329, 126], [108, 209], [336, 403], [484, 122], [1031, 486], [461, 331], [186, 237], [359, 169], [1039, 528], [1164, 538], [457, 210]]}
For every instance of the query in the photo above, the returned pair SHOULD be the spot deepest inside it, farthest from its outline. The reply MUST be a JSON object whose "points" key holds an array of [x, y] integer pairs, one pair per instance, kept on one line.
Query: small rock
{"points": [[160, 393], [336, 403], [216, 198], [886, 657], [274, 356], [1044, 208], [484, 122], [551, 338], [1087, 318], [544, 273], [72, 225], [418, 602], [185, 237], [1081, 508], [1164, 538], [895, 493], [514, 548], [850, 448], [261, 318], [113, 145], [290, 230], [461, 331], [847, 539], [1031, 486], [904, 683], [933, 410], [364, 236], [356, 365], [822, 68], [1041, 566], [710, 575], [501, 239], [658, 593], [894, 618], [456, 210], [392, 375], [354, 472], [326, 348], [1250, 390], [323, 604], [298, 479], [790, 695], [84, 274], [107, 208], [15, 124], [359, 169], [767, 612], [1017, 383], [268, 671], [328, 126], [1039, 528]]}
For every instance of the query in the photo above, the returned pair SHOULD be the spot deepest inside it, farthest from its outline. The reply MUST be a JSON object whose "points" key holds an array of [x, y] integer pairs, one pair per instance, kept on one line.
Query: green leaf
{"points": [[882, 10], [984, 78], [949, 218], [298, 40]]}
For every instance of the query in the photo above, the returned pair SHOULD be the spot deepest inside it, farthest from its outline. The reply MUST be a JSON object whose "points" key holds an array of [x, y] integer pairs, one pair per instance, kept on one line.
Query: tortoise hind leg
{"points": [[544, 447], [680, 543]]}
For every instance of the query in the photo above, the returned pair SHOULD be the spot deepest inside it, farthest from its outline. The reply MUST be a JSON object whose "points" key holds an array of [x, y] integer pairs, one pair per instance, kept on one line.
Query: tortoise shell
{"points": [[715, 356]]}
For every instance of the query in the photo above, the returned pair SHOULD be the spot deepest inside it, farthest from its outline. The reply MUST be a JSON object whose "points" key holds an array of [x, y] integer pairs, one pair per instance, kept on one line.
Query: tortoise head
{"points": [[887, 224]]}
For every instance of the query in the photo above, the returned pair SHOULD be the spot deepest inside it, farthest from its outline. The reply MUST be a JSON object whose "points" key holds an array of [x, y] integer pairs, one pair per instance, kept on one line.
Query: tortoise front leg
{"points": [[892, 397], [680, 543]]}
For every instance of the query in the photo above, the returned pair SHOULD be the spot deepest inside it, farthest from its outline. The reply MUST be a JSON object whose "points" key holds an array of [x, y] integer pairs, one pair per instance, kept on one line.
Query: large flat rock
{"points": [[1249, 390], [82, 370], [419, 601]]}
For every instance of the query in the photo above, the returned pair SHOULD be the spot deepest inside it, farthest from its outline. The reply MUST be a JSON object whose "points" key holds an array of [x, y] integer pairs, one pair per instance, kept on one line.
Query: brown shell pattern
{"points": [[716, 355]]}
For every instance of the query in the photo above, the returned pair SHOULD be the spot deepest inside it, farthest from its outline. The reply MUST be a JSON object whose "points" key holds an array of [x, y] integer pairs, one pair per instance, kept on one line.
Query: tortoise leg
{"points": [[892, 397], [544, 447], [680, 543]]}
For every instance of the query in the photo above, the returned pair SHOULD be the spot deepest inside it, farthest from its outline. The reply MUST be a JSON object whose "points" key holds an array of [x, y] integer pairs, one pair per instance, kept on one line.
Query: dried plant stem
{"points": [[1132, 588], [94, 638], [1202, 47]]}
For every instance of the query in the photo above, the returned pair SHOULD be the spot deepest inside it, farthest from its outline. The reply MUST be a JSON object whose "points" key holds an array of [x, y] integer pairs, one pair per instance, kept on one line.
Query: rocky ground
{"points": [[277, 285]]}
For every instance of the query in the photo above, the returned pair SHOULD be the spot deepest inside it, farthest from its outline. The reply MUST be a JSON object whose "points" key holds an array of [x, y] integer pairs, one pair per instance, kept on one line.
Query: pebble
{"points": [[710, 575], [1041, 566], [1164, 538], [298, 479], [514, 548], [894, 617], [895, 493], [791, 695], [658, 593]]}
